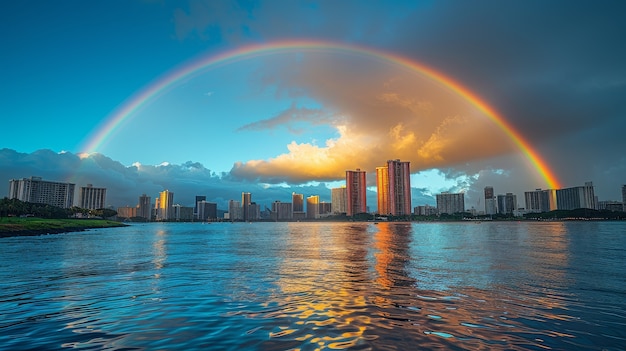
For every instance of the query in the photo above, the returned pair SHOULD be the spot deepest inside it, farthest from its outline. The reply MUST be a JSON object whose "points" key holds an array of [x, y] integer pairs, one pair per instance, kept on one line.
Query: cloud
{"points": [[378, 112]]}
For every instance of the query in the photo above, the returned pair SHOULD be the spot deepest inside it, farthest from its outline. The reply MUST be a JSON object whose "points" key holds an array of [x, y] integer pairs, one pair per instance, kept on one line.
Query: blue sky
{"points": [[555, 71]]}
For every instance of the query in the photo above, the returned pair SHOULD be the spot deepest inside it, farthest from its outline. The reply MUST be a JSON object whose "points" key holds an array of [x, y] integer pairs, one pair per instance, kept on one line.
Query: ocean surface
{"points": [[317, 286]]}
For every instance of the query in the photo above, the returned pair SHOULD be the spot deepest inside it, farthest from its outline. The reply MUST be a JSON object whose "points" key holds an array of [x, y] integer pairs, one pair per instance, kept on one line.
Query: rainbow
{"points": [[198, 65]]}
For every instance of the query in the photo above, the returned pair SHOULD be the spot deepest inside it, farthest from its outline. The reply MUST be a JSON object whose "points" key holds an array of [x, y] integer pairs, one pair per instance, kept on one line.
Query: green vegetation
{"points": [[17, 208], [16, 226]]}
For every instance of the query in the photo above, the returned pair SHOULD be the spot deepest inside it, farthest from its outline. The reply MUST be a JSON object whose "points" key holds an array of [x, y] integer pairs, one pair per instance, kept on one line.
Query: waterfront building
{"points": [[234, 210], [253, 211], [312, 207], [91, 198], [195, 205], [507, 204], [610, 205], [382, 190], [325, 208], [450, 203], [126, 212], [576, 197], [297, 201], [282, 211], [540, 200], [163, 206], [246, 200], [338, 200], [425, 210], [393, 183], [356, 191], [490, 201], [37, 190], [182, 213], [206, 211], [143, 208]]}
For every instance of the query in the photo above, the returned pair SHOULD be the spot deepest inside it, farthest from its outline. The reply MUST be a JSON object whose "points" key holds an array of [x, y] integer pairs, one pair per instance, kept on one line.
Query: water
{"points": [[308, 286]]}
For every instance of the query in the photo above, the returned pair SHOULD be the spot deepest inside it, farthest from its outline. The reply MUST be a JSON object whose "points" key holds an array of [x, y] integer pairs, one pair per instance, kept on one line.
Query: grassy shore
{"points": [[14, 226]]}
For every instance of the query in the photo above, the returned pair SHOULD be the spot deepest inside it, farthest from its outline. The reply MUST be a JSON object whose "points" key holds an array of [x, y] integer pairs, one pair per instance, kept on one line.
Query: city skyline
{"points": [[218, 97]]}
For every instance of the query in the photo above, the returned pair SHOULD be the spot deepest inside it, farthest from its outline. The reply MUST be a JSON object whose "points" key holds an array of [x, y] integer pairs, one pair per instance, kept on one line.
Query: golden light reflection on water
{"points": [[319, 287]]}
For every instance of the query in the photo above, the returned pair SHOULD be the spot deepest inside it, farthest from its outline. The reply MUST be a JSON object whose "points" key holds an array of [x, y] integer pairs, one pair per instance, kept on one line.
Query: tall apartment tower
{"points": [[382, 187], [540, 200], [297, 205], [450, 203], [576, 197], [394, 188], [313, 207], [338, 200], [164, 206], [356, 192], [246, 200], [507, 204], [143, 208], [490, 201], [37, 190], [195, 205], [624, 197], [234, 210], [92, 198]]}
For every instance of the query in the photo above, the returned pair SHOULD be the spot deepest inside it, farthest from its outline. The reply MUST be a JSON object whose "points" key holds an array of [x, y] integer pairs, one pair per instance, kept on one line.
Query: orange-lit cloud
{"points": [[379, 112]]}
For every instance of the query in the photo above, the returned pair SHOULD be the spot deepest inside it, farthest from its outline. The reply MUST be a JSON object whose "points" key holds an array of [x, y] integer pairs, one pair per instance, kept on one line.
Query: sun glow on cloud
{"points": [[379, 113]]}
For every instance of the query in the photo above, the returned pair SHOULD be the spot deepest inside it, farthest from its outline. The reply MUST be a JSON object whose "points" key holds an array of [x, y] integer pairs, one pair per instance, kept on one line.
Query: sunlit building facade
{"points": [[164, 206], [312, 207], [450, 203], [92, 198], [37, 190], [393, 183], [338, 200], [356, 191]]}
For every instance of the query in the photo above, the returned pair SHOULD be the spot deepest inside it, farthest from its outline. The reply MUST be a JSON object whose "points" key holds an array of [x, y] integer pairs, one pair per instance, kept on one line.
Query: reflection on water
{"points": [[307, 286]]}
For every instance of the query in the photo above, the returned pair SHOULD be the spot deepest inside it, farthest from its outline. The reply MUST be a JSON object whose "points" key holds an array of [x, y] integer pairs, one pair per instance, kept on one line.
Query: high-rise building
{"points": [[450, 203], [393, 183], [540, 200], [490, 201], [181, 213], [282, 211], [254, 211], [338, 200], [507, 204], [246, 200], [356, 192], [234, 210], [143, 208], [164, 206], [297, 201], [37, 190], [312, 207], [325, 208], [195, 204], [92, 198], [207, 211], [382, 188], [576, 197]]}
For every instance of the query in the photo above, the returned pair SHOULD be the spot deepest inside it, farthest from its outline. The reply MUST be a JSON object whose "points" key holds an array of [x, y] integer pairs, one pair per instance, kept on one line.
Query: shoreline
{"points": [[12, 227]]}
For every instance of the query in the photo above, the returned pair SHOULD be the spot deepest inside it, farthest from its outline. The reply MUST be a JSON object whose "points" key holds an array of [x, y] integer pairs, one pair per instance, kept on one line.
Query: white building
{"points": [[92, 198], [37, 190]]}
